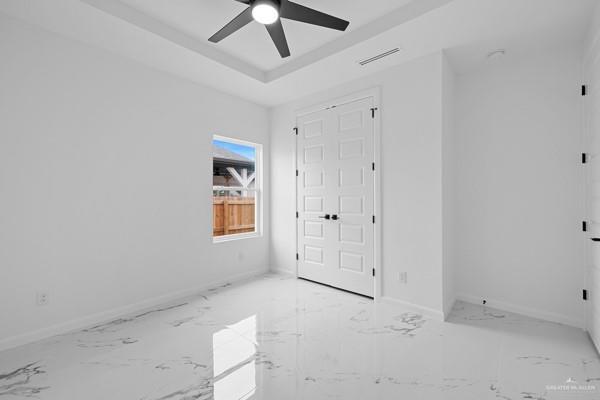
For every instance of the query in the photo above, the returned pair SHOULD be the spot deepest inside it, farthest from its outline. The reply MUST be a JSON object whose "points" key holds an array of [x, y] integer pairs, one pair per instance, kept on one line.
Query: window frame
{"points": [[257, 190]]}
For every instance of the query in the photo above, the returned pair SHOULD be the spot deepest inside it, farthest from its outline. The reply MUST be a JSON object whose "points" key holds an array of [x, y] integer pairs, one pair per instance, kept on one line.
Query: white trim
{"points": [[257, 189], [377, 197], [448, 308], [109, 315], [526, 311], [591, 78], [236, 236], [375, 93], [241, 142], [234, 189], [282, 271], [296, 195], [425, 311], [338, 101]]}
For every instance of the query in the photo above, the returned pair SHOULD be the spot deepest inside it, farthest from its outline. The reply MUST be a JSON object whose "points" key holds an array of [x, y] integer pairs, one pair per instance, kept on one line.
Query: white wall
{"points": [[411, 112], [105, 183], [519, 185], [449, 194]]}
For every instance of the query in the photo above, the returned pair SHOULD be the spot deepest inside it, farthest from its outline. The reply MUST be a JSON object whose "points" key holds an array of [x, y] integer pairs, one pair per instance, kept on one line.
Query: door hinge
{"points": [[583, 90], [373, 271], [585, 296], [295, 131], [297, 215], [583, 158], [296, 172], [297, 256], [373, 112], [373, 219], [584, 226], [373, 166]]}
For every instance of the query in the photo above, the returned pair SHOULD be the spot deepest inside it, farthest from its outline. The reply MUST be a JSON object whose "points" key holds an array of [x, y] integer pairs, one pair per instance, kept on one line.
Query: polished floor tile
{"points": [[280, 338]]}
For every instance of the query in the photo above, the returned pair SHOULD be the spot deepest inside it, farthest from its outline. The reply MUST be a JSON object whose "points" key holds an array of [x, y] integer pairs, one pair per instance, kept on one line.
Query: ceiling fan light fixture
{"points": [[269, 13], [265, 12]]}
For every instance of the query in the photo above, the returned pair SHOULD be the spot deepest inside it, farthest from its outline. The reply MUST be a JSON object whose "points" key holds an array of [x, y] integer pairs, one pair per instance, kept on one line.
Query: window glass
{"points": [[236, 187]]}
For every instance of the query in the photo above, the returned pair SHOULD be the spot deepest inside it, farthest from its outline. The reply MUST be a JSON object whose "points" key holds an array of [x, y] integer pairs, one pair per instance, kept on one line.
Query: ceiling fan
{"points": [[270, 12]]}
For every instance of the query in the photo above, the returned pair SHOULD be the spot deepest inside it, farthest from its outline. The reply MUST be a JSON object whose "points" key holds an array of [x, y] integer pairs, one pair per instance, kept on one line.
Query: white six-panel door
{"points": [[335, 196], [592, 168]]}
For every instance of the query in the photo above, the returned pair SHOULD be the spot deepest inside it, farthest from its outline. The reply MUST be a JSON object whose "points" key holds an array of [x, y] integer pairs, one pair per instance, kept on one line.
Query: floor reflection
{"points": [[234, 357], [292, 339]]}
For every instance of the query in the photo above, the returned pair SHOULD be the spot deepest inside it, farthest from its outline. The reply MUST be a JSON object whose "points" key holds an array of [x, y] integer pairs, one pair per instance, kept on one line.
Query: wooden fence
{"points": [[233, 215]]}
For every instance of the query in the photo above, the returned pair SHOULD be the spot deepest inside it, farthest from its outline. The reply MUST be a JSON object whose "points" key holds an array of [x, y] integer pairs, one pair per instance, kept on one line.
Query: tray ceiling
{"points": [[176, 41], [201, 18]]}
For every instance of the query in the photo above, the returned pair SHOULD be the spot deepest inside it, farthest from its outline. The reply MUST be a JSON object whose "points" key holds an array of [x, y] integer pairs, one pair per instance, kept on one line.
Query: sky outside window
{"points": [[246, 151]]}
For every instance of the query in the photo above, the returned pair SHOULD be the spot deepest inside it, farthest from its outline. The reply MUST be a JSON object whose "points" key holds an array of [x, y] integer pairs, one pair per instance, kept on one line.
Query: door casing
{"points": [[375, 93], [591, 139]]}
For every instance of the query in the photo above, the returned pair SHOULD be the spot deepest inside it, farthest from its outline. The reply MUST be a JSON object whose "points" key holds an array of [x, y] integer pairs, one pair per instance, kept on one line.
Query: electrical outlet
{"points": [[41, 298], [403, 277]]}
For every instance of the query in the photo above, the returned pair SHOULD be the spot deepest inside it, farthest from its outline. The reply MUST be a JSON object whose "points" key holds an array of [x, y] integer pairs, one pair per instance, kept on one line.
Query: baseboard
{"points": [[109, 315], [425, 311], [448, 308], [527, 311], [596, 347], [282, 271]]}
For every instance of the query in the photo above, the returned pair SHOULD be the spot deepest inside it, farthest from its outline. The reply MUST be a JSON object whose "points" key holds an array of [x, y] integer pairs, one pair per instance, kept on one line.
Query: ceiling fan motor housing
{"points": [[270, 12], [274, 3]]}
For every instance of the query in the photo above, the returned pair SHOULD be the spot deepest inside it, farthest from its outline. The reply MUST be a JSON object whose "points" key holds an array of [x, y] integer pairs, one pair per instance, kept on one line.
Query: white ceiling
{"points": [[202, 18], [171, 36]]}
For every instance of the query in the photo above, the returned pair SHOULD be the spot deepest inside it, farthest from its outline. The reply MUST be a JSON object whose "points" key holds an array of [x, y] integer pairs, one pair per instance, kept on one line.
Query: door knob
{"points": [[326, 216]]}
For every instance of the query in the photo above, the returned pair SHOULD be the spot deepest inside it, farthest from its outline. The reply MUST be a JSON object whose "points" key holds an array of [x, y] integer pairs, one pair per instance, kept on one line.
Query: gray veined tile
{"points": [[280, 338]]}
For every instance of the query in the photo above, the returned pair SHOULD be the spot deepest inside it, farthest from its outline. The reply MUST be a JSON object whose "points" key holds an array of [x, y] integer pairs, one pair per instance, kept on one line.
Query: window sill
{"points": [[238, 236]]}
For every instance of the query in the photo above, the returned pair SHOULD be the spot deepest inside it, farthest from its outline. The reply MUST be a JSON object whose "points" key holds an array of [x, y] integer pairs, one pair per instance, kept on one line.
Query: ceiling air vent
{"points": [[378, 56]]}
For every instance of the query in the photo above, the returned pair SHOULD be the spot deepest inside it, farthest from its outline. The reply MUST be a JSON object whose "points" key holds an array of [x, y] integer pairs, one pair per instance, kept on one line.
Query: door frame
{"points": [[375, 93], [591, 79]]}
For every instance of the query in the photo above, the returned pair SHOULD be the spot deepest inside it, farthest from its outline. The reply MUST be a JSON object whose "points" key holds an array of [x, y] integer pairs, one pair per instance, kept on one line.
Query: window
{"points": [[236, 188]]}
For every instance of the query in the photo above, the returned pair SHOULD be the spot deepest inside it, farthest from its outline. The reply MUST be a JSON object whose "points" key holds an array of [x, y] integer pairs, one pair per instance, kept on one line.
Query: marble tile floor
{"points": [[278, 338]]}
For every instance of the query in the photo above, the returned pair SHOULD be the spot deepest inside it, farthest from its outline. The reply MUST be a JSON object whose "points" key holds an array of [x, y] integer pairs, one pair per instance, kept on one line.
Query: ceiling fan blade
{"points": [[297, 12], [244, 1], [276, 31], [238, 22]]}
